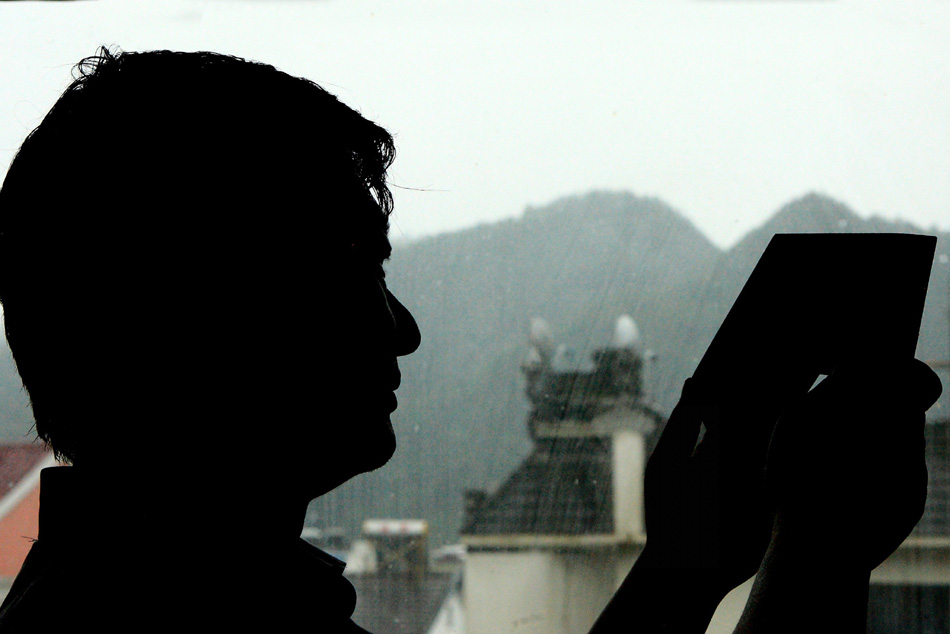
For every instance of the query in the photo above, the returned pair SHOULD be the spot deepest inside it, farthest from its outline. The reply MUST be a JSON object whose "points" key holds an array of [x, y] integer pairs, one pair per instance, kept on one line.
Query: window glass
{"points": [[576, 164]]}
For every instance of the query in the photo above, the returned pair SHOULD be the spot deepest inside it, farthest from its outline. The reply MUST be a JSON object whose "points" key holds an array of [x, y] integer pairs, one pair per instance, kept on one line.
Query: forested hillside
{"points": [[579, 262]]}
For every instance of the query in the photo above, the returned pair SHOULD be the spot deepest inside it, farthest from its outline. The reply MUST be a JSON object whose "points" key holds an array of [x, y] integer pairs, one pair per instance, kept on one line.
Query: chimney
{"points": [[402, 546], [628, 451]]}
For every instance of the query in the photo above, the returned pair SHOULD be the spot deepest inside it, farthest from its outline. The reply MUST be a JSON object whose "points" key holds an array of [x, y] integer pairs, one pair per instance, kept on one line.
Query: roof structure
{"points": [[396, 604], [20, 466], [936, 519], [16, 461], [564, 487]]}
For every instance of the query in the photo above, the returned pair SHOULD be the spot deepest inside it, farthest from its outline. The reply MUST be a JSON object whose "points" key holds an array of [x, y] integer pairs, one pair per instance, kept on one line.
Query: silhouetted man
{"points": [[191, 251]]}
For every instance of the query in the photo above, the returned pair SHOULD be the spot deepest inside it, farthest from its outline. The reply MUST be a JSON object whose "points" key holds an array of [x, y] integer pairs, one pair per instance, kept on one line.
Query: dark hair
{"points": [[163, 197]]}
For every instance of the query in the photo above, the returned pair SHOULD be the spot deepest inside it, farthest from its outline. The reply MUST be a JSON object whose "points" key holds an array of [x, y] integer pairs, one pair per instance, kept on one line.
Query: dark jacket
{"points": [[87, 571]]}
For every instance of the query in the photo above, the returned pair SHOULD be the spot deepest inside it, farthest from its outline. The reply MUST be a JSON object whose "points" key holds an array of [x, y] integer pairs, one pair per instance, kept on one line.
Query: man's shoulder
{"points": [[52, 592], [39, 586]]}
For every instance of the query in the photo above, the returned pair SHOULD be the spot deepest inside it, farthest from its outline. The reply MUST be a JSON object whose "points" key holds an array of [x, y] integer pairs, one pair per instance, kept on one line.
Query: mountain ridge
{"points": [[580, 262]]}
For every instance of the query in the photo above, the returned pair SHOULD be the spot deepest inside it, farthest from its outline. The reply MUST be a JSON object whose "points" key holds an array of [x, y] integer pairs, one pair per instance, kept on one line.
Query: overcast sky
{"points": [[726, 110]]}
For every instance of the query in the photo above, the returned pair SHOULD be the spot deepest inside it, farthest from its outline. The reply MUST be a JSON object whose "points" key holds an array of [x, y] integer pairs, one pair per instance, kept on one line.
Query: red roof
{"points": [[19, 501], [17, 460]]}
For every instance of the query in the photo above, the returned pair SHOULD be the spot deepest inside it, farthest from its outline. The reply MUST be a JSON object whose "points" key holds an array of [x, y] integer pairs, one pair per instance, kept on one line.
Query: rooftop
{"points": [[395, 604], [563, 487], [936, 519], [17, 460]]}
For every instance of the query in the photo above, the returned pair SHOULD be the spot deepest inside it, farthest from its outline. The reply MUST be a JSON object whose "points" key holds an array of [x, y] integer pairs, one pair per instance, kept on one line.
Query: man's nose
{"points": [[408, 337]]}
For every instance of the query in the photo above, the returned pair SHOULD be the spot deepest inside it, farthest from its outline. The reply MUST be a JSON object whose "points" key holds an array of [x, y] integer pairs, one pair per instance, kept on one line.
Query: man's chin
{"points": [[358, 459], [378, 454]]}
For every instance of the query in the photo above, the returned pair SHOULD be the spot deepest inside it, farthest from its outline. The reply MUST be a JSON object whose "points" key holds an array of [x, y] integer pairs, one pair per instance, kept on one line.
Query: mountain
{"points": [[579, 262], [815, 213]]}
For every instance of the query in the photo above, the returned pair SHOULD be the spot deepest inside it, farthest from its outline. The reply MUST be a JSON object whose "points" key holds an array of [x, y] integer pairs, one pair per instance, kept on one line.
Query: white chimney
{"points": [[629, 462]]}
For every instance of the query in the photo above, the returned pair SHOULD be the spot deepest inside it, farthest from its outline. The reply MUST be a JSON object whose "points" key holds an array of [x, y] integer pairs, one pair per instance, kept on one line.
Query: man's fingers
{"points": [[910, 386]]}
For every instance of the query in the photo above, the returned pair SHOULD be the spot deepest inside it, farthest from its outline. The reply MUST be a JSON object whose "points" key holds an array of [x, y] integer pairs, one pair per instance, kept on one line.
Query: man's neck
{"points": [[174, 507]]}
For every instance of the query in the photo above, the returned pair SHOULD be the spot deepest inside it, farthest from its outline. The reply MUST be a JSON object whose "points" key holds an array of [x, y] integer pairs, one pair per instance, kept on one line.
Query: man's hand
{"points": [[706, 509], [846, 471], [846, 466], [707, 517]]}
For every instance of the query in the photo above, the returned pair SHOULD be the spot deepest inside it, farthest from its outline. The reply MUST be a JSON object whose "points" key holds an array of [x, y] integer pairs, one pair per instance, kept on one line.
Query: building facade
{"points": [[547, 550]]}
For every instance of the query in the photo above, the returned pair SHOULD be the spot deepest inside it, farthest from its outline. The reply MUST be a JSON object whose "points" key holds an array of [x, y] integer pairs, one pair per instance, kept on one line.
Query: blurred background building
{"points": [[548, 548], [20, 466]]}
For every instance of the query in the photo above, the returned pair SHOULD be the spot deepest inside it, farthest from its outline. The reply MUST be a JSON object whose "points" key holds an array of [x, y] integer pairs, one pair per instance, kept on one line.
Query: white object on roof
{"points": [[541, 336], [626, 333], [533, 358], [362, 559], [395, 527]]}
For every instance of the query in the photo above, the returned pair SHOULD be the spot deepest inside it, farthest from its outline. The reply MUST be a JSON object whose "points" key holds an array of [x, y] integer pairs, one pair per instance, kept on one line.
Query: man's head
{"points": [[187, 242]]}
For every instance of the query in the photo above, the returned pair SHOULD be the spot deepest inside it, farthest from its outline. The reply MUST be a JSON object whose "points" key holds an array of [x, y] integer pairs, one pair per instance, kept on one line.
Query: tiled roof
{"points": [[936, 518], [398, 604], [563, 488], [16, 461]]}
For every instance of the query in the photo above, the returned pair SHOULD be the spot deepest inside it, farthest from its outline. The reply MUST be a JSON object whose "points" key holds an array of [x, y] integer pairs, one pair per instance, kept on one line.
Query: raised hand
{"points": [[847, 475], [706, 509], [707, 516], [849, 460]]}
